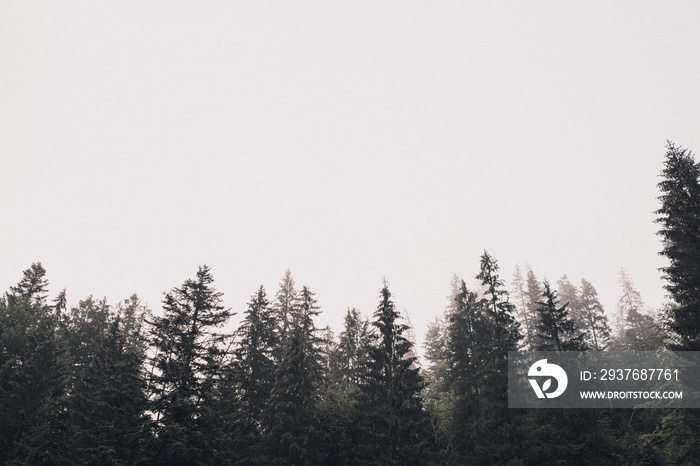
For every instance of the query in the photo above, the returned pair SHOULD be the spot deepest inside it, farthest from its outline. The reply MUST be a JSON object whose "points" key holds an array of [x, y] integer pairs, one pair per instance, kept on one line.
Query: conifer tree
{"points": [[393, 392], [526, 294], [60, 304], [629, 306], [254, 362], [469, 341], [679, 217], [557, 331], [292, 406], [354, 345], [108, 406], [285, 304], [187, 360], [33, 285], [34, 427], [503, 333], [593, 318], [85, 328], [499, 309], [533, 294]]}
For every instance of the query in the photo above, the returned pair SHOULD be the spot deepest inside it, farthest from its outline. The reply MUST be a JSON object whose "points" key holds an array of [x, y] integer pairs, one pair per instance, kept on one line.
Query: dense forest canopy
{"points": [[118, 383]]}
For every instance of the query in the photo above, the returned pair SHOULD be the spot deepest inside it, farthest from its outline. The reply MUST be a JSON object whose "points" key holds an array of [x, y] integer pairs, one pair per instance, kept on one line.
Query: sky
{"points": [[346, 141]]}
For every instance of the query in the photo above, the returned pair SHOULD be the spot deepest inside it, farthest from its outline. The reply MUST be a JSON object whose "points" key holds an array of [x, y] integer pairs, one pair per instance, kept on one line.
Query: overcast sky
{"points": [[346, 141]]}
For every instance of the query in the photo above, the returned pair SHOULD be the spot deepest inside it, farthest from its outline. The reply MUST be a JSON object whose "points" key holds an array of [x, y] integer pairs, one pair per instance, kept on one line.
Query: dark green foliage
{"points": [[679, 217], [292, 409], [74, 389], [353, 350], [468, 398], [33, 377], [392, 404], [84, 329], [33, 285], [340, 394], [501, 312], [254, 367], [108, 405], [467, 360], [557, 331], [187, 364]]}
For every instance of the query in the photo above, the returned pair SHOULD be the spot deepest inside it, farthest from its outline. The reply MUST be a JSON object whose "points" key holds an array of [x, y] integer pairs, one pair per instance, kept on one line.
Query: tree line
{"points": [[99, 383]]}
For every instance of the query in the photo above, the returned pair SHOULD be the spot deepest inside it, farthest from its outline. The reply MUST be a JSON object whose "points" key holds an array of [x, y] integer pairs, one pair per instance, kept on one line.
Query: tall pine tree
{"points": [[393, 392], [679, 217], [594, 322], [188, 348], [557, 331], [292, 406]]}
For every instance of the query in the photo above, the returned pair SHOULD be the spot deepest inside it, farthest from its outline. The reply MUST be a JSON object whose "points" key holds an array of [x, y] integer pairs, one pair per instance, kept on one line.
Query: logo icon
{"points": [[551, 371]]}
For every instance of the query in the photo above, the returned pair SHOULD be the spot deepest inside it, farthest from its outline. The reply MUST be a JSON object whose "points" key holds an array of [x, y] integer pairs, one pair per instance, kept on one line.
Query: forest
{"points": [[118, 383]]}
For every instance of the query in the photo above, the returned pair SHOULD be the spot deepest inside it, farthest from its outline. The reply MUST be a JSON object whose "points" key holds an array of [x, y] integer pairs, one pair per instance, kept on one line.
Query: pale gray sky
{"points": [[344, 140]]}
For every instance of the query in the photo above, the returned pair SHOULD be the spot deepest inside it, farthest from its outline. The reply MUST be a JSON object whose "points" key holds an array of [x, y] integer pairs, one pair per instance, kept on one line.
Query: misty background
{"points": [[346, 142]]}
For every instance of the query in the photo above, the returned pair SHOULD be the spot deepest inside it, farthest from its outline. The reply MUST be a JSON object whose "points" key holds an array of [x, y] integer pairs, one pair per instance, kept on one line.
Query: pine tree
{"points": [[188, 352], [285, 304], [354, 345], [254, 364], [593, 318], [533, 294], [629, 306], [557, 331], [60, 304], [500, 310], [679, 217], [34, 428], [33, 285], [523, 292], [132, 314], [469, 340], [108, 406], [84, 329], [504, 335], [294, 395], [393, 402]]}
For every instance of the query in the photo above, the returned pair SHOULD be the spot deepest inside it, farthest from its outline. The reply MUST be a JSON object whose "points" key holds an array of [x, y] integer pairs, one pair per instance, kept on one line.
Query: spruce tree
{"points": [[519, 293], [292, 406], [33, 285], [594, 322], [467, 373], [557, 331], [34, 365], [188, 349], [503, 332], [533, 294], [254, 365], [108, 406], [84, 329], [568, 293], [285, 304], [679, 217], [393, 404], [354, 345], [500, 310], [630, 303]]}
